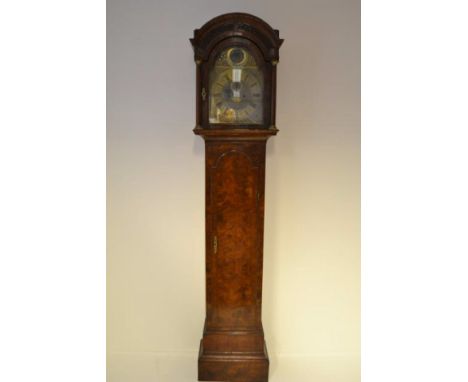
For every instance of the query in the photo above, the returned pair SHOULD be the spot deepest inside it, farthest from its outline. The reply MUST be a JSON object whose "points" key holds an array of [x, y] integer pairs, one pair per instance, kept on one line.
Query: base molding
{"points": [[233, 367]]}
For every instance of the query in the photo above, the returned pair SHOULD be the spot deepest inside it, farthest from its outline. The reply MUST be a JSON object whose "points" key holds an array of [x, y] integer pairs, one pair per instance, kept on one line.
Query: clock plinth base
{"points": [[228, 367]]}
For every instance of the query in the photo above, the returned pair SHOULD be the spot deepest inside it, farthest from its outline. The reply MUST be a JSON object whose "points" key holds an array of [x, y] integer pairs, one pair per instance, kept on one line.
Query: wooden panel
{"points": [[235, 183], [234, 189], [233, 342]]}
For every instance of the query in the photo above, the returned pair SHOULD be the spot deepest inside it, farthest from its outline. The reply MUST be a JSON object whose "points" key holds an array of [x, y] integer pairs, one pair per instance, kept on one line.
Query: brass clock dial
{"points": [[236, 89]]}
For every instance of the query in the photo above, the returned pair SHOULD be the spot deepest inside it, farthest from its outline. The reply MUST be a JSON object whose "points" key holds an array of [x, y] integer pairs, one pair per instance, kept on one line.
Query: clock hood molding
{"points": [[236, 25]]}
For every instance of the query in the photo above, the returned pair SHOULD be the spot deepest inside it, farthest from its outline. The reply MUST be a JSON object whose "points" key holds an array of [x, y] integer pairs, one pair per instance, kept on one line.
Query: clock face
{"points": [[236, 89]]}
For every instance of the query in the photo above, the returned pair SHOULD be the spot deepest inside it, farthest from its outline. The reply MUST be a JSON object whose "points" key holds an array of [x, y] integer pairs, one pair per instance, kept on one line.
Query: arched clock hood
{"points": [[257, 38], [236, 25]]}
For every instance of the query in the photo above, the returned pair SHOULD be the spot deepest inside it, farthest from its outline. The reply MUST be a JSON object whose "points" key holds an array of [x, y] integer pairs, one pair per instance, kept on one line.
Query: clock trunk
{"points": [[233, 342]]}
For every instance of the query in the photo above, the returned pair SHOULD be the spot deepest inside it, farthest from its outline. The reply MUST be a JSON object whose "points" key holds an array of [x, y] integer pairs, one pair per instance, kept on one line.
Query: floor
{"points": [[182, 367]]}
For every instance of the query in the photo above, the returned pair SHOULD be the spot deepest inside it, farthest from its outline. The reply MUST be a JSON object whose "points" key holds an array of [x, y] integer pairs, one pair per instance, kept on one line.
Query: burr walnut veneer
{"points": [[236, 56]]}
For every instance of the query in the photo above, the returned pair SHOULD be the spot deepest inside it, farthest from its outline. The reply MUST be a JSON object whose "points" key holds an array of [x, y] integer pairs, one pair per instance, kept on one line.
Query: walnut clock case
{"points": [[236, 56]]}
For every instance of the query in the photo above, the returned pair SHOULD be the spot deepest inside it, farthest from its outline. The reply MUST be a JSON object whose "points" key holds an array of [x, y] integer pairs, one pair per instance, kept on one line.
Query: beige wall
{"points": [[155, 275]]}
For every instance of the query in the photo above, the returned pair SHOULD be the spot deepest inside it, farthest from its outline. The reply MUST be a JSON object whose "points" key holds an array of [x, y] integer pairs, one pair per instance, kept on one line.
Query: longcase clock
{"points": [[236, 56]]}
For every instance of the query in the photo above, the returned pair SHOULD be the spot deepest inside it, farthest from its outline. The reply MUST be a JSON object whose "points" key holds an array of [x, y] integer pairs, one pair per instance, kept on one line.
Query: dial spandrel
{"points": [[236, 89]]}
